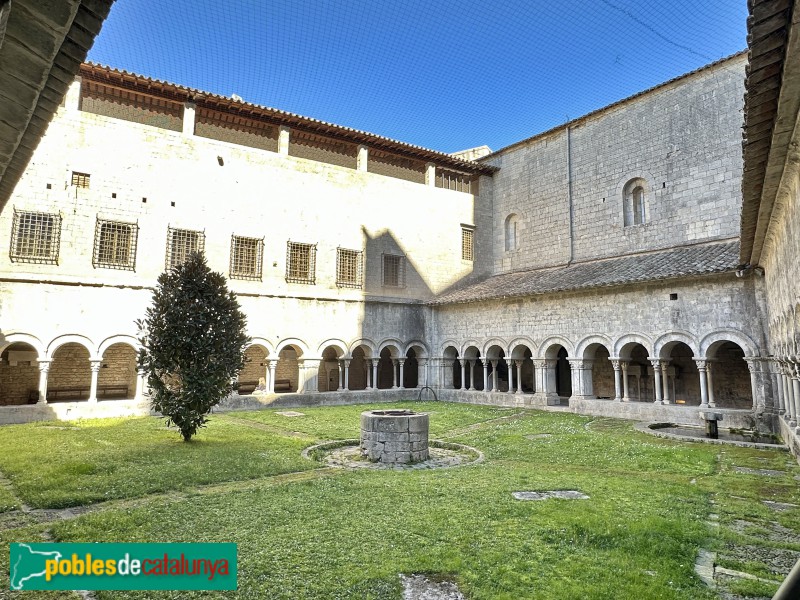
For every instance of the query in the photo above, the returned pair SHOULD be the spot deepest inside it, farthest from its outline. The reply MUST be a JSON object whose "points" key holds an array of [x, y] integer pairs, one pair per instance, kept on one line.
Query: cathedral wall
{"points": [[683, 141]]}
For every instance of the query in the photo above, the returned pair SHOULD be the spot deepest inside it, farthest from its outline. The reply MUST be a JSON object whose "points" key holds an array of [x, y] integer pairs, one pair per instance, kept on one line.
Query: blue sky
{"points": [[444, 74]]}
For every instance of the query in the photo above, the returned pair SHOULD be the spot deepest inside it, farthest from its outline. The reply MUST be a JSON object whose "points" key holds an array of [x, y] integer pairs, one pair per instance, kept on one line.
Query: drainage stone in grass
{"points": [[290, 413], [561, 494], [419, 587]]}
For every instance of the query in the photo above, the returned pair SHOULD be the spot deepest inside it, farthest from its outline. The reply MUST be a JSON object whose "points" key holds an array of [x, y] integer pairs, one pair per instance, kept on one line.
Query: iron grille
{"points": [[467, 240], [246, 257], [301, 262], [394, 270], [35, 237], [181, 243], [348, 268], [115, 245], [80, 180]]}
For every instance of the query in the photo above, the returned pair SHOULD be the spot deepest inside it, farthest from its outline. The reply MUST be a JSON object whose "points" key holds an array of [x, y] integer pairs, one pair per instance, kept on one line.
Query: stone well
{"points": [[394, 436]]}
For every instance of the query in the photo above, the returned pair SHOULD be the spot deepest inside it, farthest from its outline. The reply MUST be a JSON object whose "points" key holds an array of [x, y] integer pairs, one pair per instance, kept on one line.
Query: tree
{"points": [[193, 339]]}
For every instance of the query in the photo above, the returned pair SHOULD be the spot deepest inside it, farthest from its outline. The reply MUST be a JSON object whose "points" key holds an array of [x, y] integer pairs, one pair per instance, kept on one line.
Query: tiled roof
{"points": [[163, 89], [668, 264], [771, 105]]}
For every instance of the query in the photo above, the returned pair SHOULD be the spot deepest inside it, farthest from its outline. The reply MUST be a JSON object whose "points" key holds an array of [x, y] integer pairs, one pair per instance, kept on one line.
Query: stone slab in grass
{"points": [[419, 587], [764, 472], [779, 506], [560, 494], [290, 413]]}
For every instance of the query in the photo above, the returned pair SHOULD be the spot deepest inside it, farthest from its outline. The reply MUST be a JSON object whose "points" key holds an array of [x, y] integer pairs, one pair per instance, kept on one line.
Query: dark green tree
{"points": [[193, 340]]}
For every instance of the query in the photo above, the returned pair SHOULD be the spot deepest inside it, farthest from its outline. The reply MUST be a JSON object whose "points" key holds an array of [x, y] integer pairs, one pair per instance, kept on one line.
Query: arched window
{"points": [[634, 202], [512, 232]]}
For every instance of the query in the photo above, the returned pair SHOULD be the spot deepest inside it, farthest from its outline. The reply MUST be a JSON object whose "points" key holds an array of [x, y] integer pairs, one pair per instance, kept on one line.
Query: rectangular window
{"points": [[246, 257], [80, 180], [181, 243], [348, 268], [467, 241], [35, 237], [300, 262], [115, 245], [394, 270]]}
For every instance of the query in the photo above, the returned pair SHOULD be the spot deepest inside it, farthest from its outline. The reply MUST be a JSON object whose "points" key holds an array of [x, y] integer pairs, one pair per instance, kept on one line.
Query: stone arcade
{"points": [[605, 266]]}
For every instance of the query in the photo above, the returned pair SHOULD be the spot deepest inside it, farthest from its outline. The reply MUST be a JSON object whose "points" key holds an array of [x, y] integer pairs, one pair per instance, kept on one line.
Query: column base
{"points": [[546, 398], [658, 402]]}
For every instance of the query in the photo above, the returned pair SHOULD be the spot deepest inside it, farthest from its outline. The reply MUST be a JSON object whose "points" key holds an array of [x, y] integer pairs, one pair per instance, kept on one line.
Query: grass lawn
{"points": [[348, 534]]}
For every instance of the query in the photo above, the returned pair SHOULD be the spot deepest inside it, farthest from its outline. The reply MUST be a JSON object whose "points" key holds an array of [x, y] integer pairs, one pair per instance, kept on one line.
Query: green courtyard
{"points": [[306, 530]]}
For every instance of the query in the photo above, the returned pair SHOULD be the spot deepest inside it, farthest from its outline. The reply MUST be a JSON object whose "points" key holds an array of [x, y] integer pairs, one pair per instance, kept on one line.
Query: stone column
{"points": [[141, 381], [615, 363], [494, 375], [340, 375], [44, 368], [309, 375], [657, 380], [95, 366], [374, 362], [188, 119], [402, 362], [485, 363], [430, 174], [72, 101], [464, 364], [363, 157], [665, 381], [518, 364], [625, 393], [422, 372], [394, 373], [712, 403], [471, 362], [796, 392], [346, 369], [283, 140], [753, 367], [788, 393], [272, 365], [701, 369], [511, 369], [776, 370]]}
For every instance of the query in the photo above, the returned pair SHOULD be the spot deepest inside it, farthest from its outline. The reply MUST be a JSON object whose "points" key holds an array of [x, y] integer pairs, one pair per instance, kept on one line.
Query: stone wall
{"points": [[70, 369], [18, 380], [118, 368], [683, 139]]}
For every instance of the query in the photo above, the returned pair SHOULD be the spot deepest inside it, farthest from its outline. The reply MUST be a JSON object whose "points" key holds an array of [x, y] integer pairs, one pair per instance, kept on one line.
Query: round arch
{"points": [[467, 345], [336, 344], [420, 348], [365, 343], [70, 339], [449, 344], [589, 341], [664, 344], [260, 341], [711, 341], [299, 346], [633, 338], [515, 348], [118, 339], [24, 338], [546, 348], [393, 345], [500, 343]]}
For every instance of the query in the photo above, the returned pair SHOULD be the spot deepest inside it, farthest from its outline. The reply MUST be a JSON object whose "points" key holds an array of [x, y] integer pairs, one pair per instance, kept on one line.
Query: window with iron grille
{"points": [[300, 262], [348, 268], [80, 180], [394, 270], [115, 245], [35, 237], [181, 243], [246, 257], [467, 241]]}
